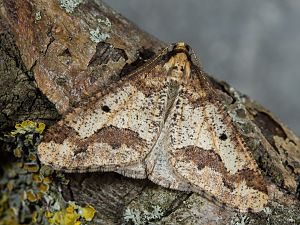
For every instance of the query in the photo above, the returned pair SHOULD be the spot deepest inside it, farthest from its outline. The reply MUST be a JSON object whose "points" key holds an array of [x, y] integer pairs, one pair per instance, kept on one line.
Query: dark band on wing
{"points": [[211, 159]]}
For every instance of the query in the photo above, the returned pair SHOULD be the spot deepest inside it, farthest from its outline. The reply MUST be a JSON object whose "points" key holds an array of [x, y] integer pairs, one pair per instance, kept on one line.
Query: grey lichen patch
{"points": [[150, 206], [240, 220], [138, 217], [97, 36], [235, 94], [70, 5], [38, 16], [101, 33], [105, 22], [276, 214]]}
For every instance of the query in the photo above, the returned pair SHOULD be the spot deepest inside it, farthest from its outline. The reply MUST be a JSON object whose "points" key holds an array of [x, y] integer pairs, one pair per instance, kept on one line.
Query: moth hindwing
{"points": [[163, 122]]}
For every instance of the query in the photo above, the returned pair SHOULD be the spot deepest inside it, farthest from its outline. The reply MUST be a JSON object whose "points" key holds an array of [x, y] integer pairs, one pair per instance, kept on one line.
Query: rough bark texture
{"points": [[53, 58]]}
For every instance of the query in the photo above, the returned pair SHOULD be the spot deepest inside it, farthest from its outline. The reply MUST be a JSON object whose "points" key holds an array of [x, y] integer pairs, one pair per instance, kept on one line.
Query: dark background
{"points": [[252, 44]]}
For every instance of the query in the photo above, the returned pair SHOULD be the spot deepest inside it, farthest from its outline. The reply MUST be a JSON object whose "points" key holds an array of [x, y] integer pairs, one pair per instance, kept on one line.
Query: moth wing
{"points": [[159, 168], [207, 151], [114, 132]]}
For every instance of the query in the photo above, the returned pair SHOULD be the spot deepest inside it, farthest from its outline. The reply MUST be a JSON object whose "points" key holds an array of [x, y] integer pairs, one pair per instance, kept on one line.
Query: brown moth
{"points": [[164, 122]]}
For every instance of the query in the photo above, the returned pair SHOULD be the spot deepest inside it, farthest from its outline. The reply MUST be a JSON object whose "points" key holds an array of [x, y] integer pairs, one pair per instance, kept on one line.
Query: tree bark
{"points": [[55, 57]]}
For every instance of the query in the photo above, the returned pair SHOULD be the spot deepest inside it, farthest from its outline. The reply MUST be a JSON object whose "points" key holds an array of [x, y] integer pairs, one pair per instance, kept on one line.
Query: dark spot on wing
{"points": [[223, 137], [105, 108]]}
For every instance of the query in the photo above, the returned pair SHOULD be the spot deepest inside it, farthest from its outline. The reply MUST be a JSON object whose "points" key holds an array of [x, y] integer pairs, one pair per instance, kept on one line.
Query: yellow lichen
{"points": [[36, 178], [67, 216], [47, 180], [31, 196], [71, 215], [40, 128], [48, 214], [18, 152], [31, 167], [43, 187], [10, 185], [34, 216], [32, 157], [40, 195], [19, 164], [28, 126], [87, 212]]}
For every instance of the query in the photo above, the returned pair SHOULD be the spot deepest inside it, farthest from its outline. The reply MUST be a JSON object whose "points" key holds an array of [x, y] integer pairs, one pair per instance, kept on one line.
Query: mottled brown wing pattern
{"points": [[207, 151], [117, 130], [165, 122]]}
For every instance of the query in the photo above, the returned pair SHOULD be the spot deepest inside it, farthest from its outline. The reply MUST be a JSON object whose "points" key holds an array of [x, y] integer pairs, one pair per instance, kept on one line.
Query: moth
{"points": [[164, 122]]}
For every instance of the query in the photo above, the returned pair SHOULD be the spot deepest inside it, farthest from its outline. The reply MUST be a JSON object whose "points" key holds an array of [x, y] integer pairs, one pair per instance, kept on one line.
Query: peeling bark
{"points": [[50, 63]]}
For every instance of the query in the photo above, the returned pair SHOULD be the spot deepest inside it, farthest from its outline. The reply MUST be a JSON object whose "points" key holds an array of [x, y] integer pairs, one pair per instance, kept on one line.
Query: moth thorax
{"points": [[179, 67]]}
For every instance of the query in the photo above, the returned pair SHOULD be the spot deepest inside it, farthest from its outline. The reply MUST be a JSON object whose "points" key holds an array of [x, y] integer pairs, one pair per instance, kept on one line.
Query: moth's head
{"points": [[181, 47], [179, 64]]}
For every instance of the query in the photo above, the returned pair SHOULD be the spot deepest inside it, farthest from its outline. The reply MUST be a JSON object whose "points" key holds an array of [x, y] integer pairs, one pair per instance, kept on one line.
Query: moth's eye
{"points": [[105, 108], [223, 137]]}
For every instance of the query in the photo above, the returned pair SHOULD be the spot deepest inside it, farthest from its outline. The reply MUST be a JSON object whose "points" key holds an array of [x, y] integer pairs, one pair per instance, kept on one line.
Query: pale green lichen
{"points": [[267, 210], [106, 22], [241, 220], [28, 193], [38, 16], [97, 36], [70, 5], [101, 33], [142, 217], [148, 208], [237, 95]]}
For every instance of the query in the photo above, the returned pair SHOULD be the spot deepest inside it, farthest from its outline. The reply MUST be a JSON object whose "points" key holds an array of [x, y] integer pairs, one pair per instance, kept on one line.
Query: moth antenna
{"points": [[171, 46], [195, 58], [152, 61]]}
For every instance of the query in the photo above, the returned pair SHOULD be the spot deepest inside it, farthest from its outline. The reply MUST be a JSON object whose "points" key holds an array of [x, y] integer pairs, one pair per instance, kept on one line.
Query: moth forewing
{"points": [[117, 130]]}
